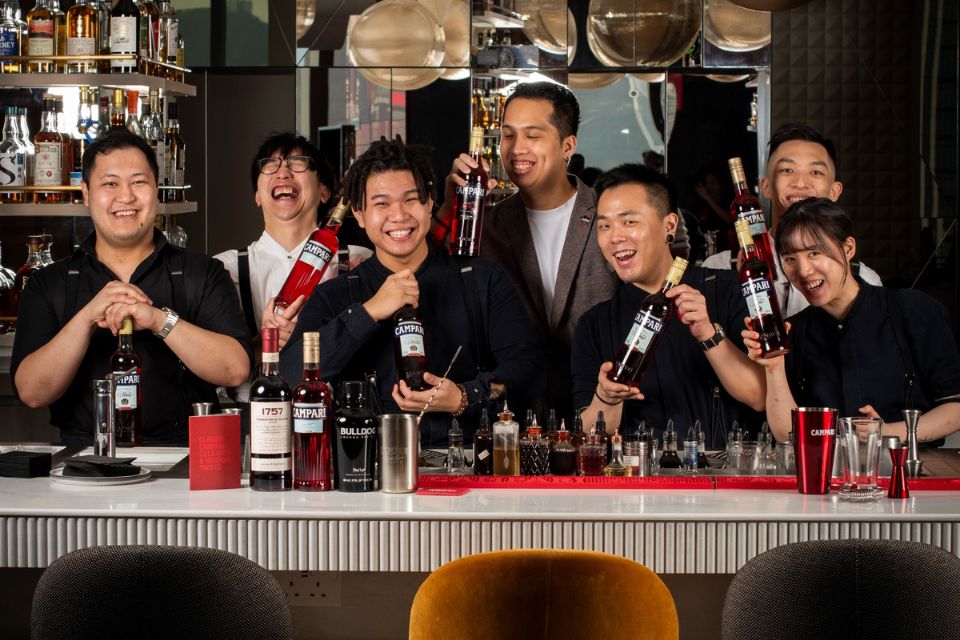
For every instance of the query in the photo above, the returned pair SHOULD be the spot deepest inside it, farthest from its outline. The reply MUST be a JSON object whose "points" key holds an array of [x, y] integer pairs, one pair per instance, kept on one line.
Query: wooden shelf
{"points": [[69, 209], [114, 80]]}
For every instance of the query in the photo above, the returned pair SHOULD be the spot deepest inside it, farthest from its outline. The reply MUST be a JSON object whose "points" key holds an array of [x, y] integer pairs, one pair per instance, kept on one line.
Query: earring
{"points": [[670, 238]]}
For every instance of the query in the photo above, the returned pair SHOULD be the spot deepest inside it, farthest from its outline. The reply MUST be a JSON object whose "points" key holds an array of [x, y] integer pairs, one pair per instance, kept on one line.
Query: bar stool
{"points": [[541, 593], [115, 592], [850, 589]]}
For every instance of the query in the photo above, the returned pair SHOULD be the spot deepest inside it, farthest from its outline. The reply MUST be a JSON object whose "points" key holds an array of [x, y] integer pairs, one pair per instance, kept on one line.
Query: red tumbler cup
{"points": [[815, 430]]}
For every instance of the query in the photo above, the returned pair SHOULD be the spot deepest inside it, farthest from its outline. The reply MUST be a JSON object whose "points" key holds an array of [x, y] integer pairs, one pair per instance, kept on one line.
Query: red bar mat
{"points": [[927, 484], [756, 483], [565, 482]]}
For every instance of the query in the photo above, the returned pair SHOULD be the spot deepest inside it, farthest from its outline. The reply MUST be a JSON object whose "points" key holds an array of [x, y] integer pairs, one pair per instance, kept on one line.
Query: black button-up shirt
{"points": [[167, 387]]}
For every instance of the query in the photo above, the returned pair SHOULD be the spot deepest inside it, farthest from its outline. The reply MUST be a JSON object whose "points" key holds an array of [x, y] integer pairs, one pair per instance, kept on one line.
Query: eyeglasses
{"points": [[297, 164]]}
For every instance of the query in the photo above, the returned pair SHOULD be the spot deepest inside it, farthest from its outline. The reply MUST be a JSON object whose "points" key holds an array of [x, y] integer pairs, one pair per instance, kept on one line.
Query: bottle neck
{"points": [[311, 371], [740, 187], [34, 257], [126, 341], [48, 121], [270, 363], [9, 128], [332, 225]]}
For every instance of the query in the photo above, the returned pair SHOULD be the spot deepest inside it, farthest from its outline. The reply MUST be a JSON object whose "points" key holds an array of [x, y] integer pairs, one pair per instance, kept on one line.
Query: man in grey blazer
{"points": [[545, 234]]}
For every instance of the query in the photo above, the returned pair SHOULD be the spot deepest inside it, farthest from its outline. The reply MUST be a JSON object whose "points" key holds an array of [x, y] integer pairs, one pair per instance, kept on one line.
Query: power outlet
{"points": [[310, 589]]}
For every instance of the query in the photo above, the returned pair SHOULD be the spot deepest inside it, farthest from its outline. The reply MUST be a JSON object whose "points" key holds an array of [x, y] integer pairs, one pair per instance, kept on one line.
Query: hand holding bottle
{"points": [[447, 399], [751, 340], [286, 321], [397, 290], [692, 311], [143, 315], [612, 392], [462, 165]]}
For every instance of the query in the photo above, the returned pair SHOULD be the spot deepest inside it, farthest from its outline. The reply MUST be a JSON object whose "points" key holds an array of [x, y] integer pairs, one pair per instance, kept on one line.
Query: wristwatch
{"points": [[710, 343], [168, 324]]}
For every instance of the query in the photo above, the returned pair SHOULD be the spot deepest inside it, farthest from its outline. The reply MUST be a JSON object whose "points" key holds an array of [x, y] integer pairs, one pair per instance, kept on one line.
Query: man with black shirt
{"points": [[188, 329], [389, 188], [699, 349]]}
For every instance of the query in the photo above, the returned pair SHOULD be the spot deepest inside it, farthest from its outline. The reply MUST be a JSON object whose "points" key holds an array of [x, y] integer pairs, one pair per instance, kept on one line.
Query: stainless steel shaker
{"points": [[399, 452]]}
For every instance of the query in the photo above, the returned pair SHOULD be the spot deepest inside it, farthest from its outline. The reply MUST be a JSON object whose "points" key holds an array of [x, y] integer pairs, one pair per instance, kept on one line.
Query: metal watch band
{"points": [[168, 324], [715, 340]]}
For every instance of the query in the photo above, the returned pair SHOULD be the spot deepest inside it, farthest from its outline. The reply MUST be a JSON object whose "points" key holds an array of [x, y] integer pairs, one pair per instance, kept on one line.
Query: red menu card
{"points": [[215, 452]]}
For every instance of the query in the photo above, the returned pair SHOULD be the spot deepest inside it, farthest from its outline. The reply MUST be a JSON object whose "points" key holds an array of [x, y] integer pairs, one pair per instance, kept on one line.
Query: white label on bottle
{"points": [[125, 397], [631, 461], [316, 255], [309, 417], [645, 328], [161, 161], [756, 292], [411, 339], [270, 424], [123, 36], [173, 30], [13, 169], [41, 40], [270, 465], [47, 168], [483, 455], [81, 46], [758, 223]]}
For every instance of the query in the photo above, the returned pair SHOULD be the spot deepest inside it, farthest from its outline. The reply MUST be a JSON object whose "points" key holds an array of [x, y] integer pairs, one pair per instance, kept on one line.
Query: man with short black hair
{"points": [[801, 164], [545, 235], [701, 348], [188, 329]]}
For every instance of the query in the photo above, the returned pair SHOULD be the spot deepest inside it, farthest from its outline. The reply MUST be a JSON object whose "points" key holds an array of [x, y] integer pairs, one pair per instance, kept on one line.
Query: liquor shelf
{"points": [[688, 531], [69, 209], [113, 80]]}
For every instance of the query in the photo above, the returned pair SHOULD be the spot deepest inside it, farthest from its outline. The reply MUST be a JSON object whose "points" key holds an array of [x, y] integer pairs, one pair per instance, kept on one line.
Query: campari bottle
{"points": [[762, 305], [409, 350], [126, 371], [468, 222], [745, 206], [655, 312], [313, 261], [312, 448]]}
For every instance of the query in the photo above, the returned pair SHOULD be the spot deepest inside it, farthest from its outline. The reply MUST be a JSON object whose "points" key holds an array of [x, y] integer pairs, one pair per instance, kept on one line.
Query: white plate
{"points": [[99, 481]]}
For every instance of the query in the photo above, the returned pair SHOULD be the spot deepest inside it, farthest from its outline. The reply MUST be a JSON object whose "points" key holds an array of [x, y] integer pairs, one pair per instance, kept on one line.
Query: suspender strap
{"points": [[246, 296], [606, 332], [710, 293], [353, 281], [178, 284], [903, 346], [72, 294], [855, 268], [471, 293]]}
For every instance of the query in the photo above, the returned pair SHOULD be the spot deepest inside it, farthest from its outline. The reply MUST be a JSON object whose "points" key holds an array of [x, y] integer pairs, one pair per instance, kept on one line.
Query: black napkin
{"points": [[99, 467], [25, 464]]}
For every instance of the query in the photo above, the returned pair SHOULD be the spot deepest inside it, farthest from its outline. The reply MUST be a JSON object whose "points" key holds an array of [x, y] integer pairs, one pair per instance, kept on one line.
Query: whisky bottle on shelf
{"points": [[149, 31], [125, 369], [746, 206], [83, 135], [42, 37], [33, 264], [104, 106], [357, 428], [46, 249], [48, 161], [169, 35], [563, 455], [151, 123], [313, 261], [124, 35], [11, 39], [483, 446], [506, 451], [118, 111], [66, 157], [652, 317], [409, 350], [175, 156], [13, 159], [617, 467], [534, 452], [471, 199], [669, 458], [104, 7], [133, 113], [8, 298], [763, 308], [312, 446], [82, 32], [271, 421], [60, 18]]}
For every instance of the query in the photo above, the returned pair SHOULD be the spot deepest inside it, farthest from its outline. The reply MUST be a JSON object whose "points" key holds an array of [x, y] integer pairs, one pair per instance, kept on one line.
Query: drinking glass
{"points": [[859, 449]]}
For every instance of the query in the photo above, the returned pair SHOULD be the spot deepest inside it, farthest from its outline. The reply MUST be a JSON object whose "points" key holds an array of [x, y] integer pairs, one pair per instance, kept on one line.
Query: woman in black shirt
{"points": [[846, 350]]}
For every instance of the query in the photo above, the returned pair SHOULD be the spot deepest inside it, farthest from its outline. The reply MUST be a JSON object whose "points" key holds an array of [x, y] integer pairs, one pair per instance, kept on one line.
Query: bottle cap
{"points": [[311, 347], [126, 328], [736, 170], [270, 340], [455, 427], [354, 390], [676, 270], [338, 213]]}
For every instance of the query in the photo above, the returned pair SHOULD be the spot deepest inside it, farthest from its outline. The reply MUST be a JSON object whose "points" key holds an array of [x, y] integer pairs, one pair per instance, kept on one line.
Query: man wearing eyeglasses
{"points": [[292, 183]]}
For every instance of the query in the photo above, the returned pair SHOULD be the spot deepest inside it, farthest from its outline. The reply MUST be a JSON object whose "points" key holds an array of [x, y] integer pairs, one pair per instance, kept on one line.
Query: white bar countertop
{"points": [[671, 531]]}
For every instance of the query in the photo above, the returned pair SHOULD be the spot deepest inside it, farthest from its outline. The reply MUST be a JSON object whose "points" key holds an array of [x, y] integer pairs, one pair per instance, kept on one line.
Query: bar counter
{"points": [[678, 531]]}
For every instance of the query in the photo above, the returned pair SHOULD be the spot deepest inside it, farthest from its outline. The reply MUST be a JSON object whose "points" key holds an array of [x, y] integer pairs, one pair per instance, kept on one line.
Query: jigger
{"points": [[913, 465]]}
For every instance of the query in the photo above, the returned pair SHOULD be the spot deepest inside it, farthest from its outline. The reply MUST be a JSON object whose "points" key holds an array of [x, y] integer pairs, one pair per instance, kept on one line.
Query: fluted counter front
{"points": [[670, 531]]}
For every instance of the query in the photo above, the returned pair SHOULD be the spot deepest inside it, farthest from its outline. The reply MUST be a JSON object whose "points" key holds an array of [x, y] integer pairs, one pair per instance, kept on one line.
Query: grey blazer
{"points": [[583, 280]]}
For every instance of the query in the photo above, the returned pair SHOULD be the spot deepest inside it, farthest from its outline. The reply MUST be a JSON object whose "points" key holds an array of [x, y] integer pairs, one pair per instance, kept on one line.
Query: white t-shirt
{"points": [[549, 230], [270, 264]]}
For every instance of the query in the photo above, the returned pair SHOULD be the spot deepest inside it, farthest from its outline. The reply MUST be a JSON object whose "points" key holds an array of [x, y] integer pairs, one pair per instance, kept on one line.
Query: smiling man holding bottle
{"points": [[402, 314], [187, 325]]}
